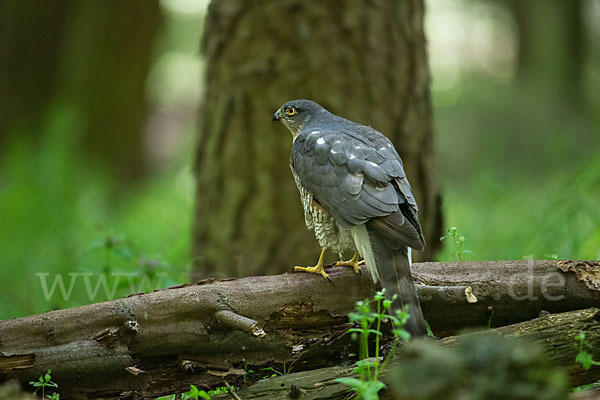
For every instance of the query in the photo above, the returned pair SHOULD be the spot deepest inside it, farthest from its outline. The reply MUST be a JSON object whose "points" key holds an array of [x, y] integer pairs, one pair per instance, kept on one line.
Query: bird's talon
{"points": [[353, 262], [314, 270]]}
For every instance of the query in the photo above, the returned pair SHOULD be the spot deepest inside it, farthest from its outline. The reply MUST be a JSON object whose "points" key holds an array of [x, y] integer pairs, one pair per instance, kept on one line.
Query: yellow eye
{"points": [[290, 110]]}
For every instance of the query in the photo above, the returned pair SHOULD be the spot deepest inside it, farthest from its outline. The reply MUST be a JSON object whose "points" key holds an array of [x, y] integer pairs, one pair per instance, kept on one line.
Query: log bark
{"points": [[161, 342], [505, 291]]}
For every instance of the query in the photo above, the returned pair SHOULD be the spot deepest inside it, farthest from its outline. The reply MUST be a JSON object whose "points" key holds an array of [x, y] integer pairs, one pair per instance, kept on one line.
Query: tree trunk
{"points": [[30, 40], [552, 44], [109, 82], [161, 342], [91, 57], [365, 61]]}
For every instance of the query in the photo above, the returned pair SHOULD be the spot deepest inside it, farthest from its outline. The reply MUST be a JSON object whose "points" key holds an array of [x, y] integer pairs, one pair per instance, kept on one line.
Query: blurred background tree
{"points": [[365, 61], [99, 103], [551, 46], [93, 55]]}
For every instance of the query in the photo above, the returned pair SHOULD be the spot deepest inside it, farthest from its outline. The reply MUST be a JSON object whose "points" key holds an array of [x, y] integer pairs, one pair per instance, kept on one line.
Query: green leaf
{"points": [[585, 359], [367, 362], [204, 395], [402, 334], [193, 393], [429, 331], [272, 370], [371, 389], [393, 319], [352, 382], [358, 330], [355, 317]]}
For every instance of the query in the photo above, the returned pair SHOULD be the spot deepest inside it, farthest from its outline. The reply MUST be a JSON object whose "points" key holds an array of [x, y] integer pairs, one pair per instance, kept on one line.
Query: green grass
{"points": [[520, 174], [514, 219], [56, 206]]}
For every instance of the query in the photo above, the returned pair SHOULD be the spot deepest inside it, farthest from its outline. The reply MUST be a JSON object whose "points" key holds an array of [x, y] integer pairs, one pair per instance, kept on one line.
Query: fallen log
{"points": [[161, 342], [504, 292], [554, 332]]}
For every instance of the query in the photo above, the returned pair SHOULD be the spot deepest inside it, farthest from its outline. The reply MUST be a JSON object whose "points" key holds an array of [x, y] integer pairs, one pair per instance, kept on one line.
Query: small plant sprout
{"points": [[271, 369], [459, 241], [246, 370], [44, 382], [194, 393], [583, 356], [369, 322], [276, 372], [218, 390], [429, 331]]}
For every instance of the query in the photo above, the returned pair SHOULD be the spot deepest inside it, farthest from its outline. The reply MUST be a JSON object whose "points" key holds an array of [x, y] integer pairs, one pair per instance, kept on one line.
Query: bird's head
{"points": [[296, 114]]}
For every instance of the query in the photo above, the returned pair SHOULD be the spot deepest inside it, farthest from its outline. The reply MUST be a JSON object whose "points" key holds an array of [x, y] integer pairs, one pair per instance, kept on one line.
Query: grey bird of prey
{"points": [[356, 197]]}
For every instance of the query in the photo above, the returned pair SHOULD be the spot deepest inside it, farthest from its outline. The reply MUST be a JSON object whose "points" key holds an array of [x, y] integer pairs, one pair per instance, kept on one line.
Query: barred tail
{"points": [[390, 265]]}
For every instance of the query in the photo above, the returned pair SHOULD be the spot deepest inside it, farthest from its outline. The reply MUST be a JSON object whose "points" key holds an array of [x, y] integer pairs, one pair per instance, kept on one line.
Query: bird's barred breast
{"points": [[320, 221]]}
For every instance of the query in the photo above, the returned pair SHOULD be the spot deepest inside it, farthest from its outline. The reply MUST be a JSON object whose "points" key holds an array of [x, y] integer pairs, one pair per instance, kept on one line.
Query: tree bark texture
{"points": [[90, 57], [505, 291], [365, 61], [161, 342]]}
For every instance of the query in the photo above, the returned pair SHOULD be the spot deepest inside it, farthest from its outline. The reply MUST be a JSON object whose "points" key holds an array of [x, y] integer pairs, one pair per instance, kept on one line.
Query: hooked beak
{"points": [[276, 116]]}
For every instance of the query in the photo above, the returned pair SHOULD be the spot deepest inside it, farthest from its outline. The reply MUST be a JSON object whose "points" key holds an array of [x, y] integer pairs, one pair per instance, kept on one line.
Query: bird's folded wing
{"points": [[358, 179]]}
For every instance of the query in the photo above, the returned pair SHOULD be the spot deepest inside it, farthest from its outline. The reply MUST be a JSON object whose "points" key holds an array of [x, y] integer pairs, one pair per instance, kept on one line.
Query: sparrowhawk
{"points": [[356, 197]]}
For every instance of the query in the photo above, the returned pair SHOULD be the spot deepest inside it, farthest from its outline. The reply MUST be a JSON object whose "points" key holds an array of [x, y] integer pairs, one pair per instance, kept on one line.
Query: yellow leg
{"points": [[317, 269], [353, 262]]}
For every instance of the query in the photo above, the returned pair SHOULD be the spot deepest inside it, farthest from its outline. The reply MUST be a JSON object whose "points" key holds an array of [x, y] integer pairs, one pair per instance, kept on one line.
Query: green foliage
{"points": [[246, 369], [218, 390], [589, 386], [44, 382], [367, 390], [429, 331], [583, 356], [195, 394], [369, 322], [62, 214], [275, 372], [459, 241], [520, 173]]}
